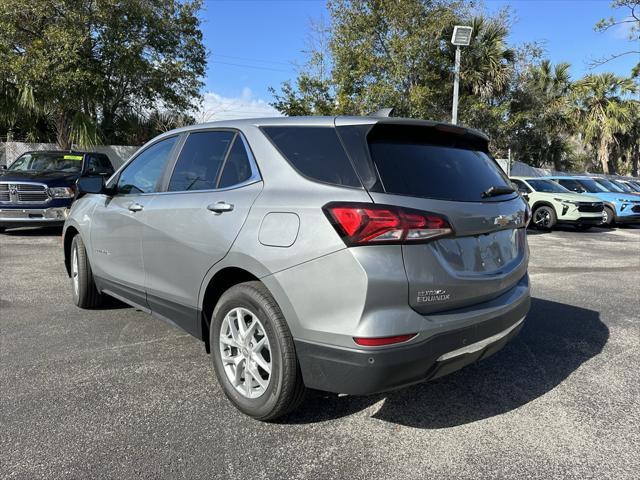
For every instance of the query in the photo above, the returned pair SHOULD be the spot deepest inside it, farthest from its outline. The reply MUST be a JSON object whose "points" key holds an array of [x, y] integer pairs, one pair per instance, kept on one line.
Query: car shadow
{"points": [[556, 339], [34, 232]]}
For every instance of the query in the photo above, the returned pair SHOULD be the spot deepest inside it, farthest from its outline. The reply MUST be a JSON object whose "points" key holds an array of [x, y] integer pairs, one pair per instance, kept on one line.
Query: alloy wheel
{"points": [[542, 218], [245, 352], [74, 272]]}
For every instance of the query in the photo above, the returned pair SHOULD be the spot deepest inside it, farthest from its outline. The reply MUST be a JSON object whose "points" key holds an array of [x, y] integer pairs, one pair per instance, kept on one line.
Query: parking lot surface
{"points": [[114, 393]]}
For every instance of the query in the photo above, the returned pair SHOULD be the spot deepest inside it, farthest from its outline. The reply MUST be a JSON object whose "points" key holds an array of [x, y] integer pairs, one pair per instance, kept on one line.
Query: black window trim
{"points": [[115, 178], [306, 177], [255, 171]]}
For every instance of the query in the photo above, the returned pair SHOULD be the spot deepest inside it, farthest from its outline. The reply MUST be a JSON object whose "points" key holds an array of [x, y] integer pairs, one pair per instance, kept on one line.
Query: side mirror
{"points": [[525, 196], [90, 184]]}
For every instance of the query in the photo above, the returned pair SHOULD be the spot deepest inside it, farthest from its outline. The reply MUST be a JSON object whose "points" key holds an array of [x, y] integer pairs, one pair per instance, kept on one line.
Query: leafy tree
{"points": [[86, 65], [630, 20], [541, 116], [386, 53], [604, 110]]}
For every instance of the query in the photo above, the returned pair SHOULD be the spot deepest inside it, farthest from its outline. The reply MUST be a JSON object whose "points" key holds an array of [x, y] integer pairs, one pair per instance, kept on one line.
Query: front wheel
{"points": [[83, 288], [544, 218], [253, 353], [608, 216]]}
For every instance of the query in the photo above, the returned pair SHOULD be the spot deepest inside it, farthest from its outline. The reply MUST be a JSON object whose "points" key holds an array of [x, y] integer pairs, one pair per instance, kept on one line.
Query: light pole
{"points": [[461, 38]]}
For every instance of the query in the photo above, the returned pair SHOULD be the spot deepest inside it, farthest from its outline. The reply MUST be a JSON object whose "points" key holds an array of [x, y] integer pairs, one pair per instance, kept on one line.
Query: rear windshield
{"points": [[315, 152], [409, 167]]}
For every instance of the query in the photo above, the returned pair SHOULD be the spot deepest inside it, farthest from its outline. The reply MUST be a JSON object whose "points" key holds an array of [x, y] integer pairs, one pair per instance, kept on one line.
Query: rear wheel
{"points": [[544, 218], [608, 216], [253, 353], [83, 288]]}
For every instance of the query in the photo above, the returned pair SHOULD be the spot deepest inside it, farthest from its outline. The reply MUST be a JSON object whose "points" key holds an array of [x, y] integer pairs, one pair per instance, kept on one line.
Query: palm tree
{"points": [[487, 63], [604, 110], [540, 115]]}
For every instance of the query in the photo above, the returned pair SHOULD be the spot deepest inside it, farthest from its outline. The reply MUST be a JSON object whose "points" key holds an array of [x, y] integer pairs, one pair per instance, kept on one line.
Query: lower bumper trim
{"points": [[363, 372], [481, 345]]}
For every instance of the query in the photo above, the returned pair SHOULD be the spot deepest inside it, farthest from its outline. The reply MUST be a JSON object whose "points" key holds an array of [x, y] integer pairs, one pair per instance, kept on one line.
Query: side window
{"points": [[522, 188], [570, 185], [237, 168], [315, 152], [143, 173], [98, 164], [200, 161]]}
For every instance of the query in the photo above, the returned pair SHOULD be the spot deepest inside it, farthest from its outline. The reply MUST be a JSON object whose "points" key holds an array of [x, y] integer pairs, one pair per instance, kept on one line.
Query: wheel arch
{"points": [[218, 283], [543, 203], [67, 237]]}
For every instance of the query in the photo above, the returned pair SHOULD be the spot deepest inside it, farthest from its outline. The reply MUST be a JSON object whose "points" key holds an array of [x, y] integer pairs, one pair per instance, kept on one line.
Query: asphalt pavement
{"points": [[114, 393]]}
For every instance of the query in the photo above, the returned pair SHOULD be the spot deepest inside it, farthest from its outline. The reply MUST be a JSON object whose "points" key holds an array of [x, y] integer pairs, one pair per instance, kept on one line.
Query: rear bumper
{"points": [[33, 217], [367, 371]]}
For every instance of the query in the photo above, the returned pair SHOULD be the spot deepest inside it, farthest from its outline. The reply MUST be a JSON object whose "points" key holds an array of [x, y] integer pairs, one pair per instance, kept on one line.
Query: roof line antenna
{"points": [[383, 112]]}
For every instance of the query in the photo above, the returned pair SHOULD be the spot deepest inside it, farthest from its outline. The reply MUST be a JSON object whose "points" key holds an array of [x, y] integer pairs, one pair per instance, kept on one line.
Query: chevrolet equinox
{"points": [[347, 254]]}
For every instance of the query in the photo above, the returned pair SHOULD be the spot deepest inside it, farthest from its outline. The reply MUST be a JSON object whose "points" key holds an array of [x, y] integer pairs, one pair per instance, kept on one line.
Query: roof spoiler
{"points": [[383, 112]]}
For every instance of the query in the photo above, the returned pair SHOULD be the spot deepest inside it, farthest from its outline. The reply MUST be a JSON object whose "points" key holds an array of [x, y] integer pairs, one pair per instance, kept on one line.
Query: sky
{"points": [[257, 44]]}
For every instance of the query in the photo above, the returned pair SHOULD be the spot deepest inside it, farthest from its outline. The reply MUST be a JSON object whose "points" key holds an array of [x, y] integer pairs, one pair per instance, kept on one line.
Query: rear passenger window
{"points": [[315, 152], [237, 168], [200, 161]]}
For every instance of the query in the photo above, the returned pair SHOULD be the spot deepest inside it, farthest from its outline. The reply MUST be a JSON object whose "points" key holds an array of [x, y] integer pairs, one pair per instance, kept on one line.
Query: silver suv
{"points": [[347, 254]]}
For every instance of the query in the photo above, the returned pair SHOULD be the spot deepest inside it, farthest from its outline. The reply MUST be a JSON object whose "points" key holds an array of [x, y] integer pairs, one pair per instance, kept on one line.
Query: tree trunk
{"points": [[603, 155], [62, 127]]}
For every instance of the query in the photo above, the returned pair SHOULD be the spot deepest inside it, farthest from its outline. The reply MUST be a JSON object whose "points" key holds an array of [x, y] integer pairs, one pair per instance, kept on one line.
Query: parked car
{"points": [[350, 254], [553, 204], [618, 207], [616, 186], [633, 184], [622, 186], [38, 187]]}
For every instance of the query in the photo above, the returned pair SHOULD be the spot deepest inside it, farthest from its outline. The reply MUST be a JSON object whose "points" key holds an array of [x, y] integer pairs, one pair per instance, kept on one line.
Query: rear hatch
{"points": [[447, 171]]}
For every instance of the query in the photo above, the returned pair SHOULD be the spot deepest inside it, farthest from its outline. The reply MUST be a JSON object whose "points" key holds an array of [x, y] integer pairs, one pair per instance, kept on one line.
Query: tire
{"points": [[283, 389], [83, 288], [544, 218], [610, 217], [583, 228]]}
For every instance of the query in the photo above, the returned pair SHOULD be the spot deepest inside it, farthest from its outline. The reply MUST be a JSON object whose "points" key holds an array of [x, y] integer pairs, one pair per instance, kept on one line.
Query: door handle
{"points": [[135, 207], [220, 207]]}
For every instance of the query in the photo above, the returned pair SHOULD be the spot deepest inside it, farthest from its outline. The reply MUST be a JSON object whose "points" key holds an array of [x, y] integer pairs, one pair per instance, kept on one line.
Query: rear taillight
{"points": [[368, 223], [380, 341]]}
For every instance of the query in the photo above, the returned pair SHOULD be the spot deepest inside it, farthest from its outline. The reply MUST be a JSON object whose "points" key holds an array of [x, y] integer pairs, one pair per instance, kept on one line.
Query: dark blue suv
{"points": [[38, 188]]}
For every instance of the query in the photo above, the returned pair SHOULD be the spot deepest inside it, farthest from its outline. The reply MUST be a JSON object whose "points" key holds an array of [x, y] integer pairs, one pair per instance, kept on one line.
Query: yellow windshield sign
{"points": [[73, 157]]}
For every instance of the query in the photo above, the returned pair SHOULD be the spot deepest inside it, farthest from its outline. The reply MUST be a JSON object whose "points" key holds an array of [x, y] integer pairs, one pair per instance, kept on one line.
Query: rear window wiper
{"points": [[495, 191]]}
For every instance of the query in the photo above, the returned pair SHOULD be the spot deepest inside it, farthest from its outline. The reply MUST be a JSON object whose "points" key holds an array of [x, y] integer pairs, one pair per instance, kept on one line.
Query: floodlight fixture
{"points": [[461, 35], [461, 38]]}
